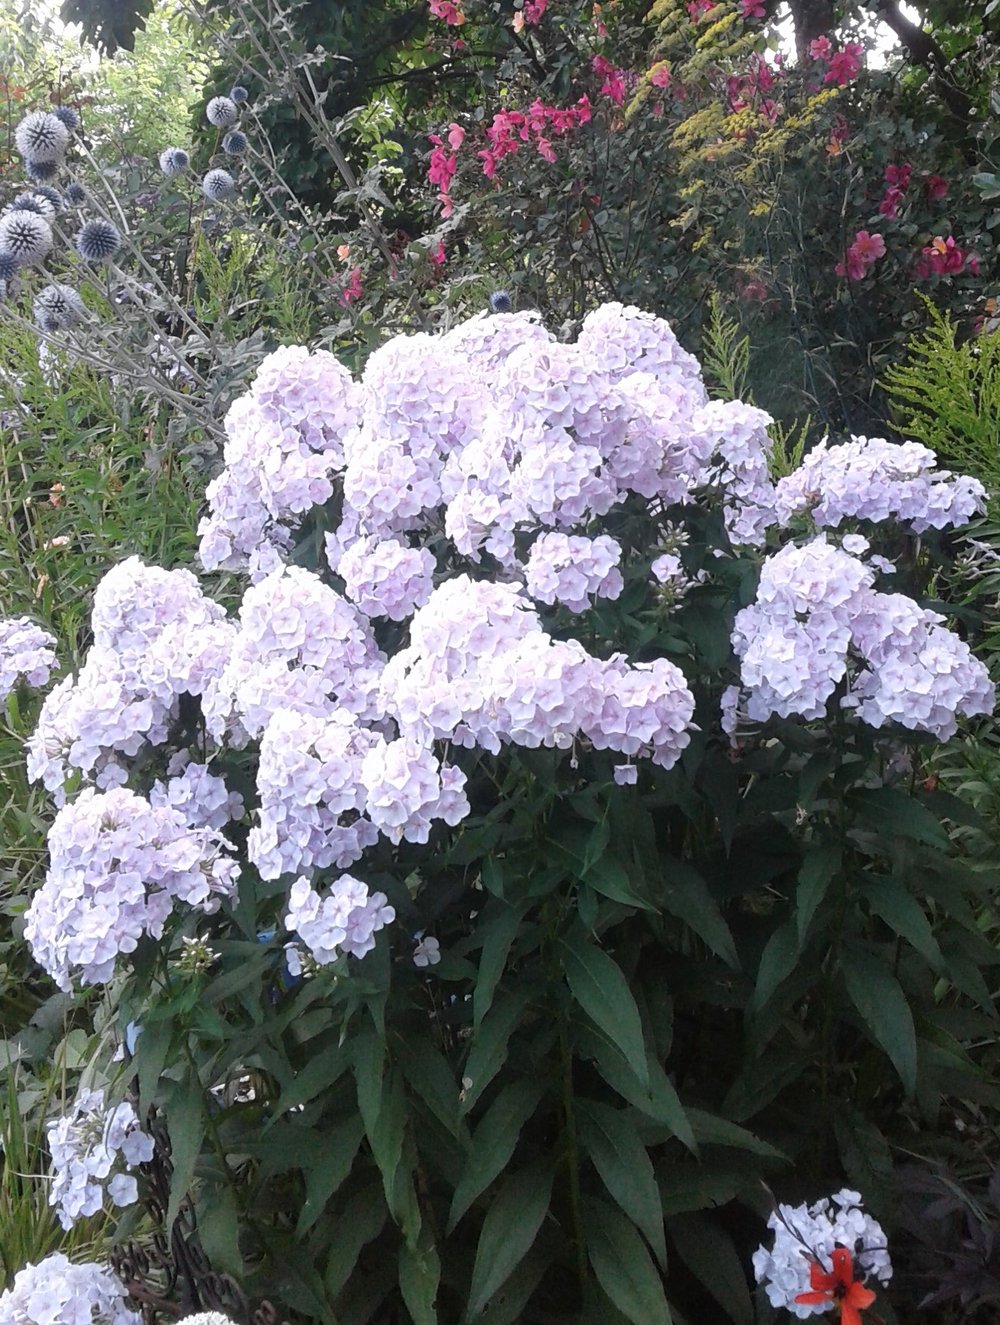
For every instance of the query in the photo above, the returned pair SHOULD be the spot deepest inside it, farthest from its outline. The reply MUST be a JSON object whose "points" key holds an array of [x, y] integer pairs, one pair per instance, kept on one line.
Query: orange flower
{"points": [[838, 1288]]}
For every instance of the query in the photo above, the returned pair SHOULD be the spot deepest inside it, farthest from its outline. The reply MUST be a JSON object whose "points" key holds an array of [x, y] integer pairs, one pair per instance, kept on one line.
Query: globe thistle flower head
{"points": [[222, 112], [51, 194], [173, 160], [41, 138], [218, 185], [8, 266], [67, 115], [26, 235], [75, 193], [235, 143], [238, 94], [98, 241], [57, 307], [500, 302], [41, 170], [32, 202]]}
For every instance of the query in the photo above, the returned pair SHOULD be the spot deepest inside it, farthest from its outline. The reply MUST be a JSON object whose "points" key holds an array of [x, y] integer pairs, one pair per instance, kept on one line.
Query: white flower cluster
{"points": [[25, 650], [869, 478], [569, 570], [817, 620], [116, 868], [86, 1145], [807, 1234], [57, 1292], [344, 921]]}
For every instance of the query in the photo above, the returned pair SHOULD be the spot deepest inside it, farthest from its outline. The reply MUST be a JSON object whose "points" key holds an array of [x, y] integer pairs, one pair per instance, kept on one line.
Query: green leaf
{"points": [[708, 1252], [218, 1230], [715, 1131], [500, 930], [430, 1076], [820, 865], [509, 1229], [777, 962], [368, 1053], [488, 1051], [494, 1142], [185, 1117], [419, 1276], [361, 1220], [878, 997], [151, 1049], [610, 878], [386, 1137], [685, 895], [891, 811], [318, 1075], [599, 986], [331, 1166], [610, 1139], [658, 1101], [889, 899], [623, 1266]]}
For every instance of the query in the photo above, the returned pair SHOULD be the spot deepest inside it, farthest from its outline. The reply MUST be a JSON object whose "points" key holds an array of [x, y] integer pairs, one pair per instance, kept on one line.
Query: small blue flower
{"points": [[218, 185], [238, 94], [500, 302], [221, 111], [26, 235], [41, 170], [98, 241], [8, 266], [75, 193], [173, 160], [59, 305], [68, 116], [31, 202], [235, 143], [41, 138]]}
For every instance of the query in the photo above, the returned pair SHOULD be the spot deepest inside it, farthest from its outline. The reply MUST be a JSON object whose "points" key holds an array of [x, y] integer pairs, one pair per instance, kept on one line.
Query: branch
{"points": [[922, 49]]}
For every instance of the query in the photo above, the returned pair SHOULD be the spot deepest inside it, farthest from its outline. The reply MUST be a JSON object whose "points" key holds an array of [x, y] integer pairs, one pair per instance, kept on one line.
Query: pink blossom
{"points": [[898, 176], [752, 9], [456, 136], [613, 86], [533, 11], [820, 49], [868, 247], [438, 256], [353, 289], [852, 267], [845, 65], [936, 186], [446, 9], [659, 74], [943, 257], [698, 7]]}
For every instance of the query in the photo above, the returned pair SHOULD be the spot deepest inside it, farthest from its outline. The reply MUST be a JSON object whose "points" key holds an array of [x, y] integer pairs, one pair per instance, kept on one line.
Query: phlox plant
{"points": [[540, 856]]}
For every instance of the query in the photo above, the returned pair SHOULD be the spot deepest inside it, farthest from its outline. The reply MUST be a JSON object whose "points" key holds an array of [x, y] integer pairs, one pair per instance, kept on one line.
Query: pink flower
{"points": [[820, 49], [845, 65], [659, 75], [852, 267], [868, 247], [898, 176], [936, 186], [352, 290], [446, 9], [890, 202], [438, 257], [751, 8], [698, 7], [533, 11], [456, 136], [943, 257]]}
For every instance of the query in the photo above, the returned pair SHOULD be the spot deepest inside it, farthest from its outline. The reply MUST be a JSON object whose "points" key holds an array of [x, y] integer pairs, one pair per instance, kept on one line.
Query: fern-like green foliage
{"points": [[947, 395]]}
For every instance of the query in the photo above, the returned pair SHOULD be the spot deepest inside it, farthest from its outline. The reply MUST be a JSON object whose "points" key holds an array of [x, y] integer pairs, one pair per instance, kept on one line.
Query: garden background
{"points": [[689, 907]]}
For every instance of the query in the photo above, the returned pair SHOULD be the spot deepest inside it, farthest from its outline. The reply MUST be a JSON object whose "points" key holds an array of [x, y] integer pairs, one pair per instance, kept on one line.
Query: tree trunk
{"points": [[812, 18]]}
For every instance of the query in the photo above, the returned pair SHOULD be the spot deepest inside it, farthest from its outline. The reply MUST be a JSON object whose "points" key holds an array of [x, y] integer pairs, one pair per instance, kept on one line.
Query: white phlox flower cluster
{"points": [[565, 569], [25, 651], [817, 619], [200, 796], [804, 1234], [57, 1292], [869, 478], [156, 638], [92, 1147], [117, 865], [285, 438], [346, 920], [384, 577]]}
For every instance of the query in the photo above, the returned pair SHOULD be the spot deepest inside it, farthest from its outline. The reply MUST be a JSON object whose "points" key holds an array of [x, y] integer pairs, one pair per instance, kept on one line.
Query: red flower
{"points": [[936, 186], [838, 1288]]}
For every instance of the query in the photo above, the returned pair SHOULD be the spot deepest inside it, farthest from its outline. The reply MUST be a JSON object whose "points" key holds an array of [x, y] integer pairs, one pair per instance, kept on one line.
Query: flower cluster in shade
{"points": [[818, 623], [57, 1292], [91, 1148], [807, 1235], [26, 651], [457, 489]]}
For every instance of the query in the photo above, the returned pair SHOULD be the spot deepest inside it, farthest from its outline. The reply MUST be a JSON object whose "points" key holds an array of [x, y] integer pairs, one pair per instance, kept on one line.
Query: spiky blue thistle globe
{"points": [[33, 202], [41, 138], [25, 235], [58, 306], [238, 94], [41, 171], [218, 185], [8, 266], [49, 194], [98, 241], [68, 116], [235, 143], [222, 112], [173, 160], [500, 302], [75, 193]]}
